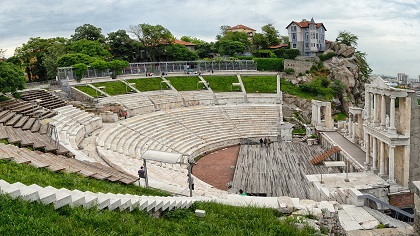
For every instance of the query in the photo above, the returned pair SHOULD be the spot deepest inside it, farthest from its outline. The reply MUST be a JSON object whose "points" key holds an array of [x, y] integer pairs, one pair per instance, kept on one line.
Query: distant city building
{"points": [[307, 36], [245, 29], [402, 78]]}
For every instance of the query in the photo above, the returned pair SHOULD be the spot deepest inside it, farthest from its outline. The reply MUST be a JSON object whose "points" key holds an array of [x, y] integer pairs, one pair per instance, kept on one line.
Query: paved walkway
{"points": [[354, 151]]}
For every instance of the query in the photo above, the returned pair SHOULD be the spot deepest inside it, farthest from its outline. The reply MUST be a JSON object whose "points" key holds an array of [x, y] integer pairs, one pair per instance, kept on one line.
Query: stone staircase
{"points": [[319, 158], [385, 219], [73, 198]]}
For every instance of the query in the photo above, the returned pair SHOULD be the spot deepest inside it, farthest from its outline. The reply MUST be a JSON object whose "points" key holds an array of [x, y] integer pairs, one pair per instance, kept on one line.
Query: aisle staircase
{"points": [[321, 157]]}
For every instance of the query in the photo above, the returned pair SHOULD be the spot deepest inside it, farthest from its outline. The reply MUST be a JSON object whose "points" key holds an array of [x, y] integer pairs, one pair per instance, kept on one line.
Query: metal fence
{"points": [[163, 67]]}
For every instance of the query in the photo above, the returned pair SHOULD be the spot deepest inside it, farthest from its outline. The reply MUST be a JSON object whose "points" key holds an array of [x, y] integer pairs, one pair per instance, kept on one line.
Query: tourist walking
{"points": [[265, 141], [242, 193], [261, 142], [268, 141]]}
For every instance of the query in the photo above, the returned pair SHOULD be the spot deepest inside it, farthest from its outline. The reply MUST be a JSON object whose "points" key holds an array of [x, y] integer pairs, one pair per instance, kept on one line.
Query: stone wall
{"points": [[298, 66], [402, 200], [414, 141], [80, 96]]}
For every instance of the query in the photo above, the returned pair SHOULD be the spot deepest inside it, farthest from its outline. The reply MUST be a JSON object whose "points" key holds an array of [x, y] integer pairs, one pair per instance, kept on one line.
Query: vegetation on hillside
{"points": [[222, 83], [185, 83], [88, 90], [260, 84], [149, 84]]}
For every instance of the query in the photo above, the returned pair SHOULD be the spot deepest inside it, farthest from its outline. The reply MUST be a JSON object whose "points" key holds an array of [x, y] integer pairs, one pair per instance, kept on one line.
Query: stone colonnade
{"points": [[321, 116]]}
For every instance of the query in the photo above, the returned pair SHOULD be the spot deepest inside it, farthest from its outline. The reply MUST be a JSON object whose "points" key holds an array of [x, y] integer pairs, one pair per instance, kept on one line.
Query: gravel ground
{"points": [[218, 167]]}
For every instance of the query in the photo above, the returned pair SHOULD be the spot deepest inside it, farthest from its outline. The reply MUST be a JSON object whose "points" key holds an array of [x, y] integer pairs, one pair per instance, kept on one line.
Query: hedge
{"points": [[287, 53], [270, 64]]}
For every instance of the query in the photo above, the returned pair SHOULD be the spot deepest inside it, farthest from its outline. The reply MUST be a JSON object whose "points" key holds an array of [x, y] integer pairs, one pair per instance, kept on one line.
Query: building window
{"points": [[307, 45], [294, 45], [316, 35], [293, 28], [307, 36], [312, 35], [294, 36]]}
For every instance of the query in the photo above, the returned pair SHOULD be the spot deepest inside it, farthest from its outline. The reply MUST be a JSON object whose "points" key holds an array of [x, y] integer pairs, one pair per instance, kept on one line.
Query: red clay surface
{"points": [[215, 168]]}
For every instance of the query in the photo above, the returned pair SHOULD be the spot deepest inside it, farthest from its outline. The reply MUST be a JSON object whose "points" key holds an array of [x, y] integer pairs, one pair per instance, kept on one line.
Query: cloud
{"points": [[386, 29]]}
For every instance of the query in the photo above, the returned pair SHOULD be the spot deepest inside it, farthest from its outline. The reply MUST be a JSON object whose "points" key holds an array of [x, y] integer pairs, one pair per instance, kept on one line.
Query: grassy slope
{"points": [[12, 172], [22, 218], [148, 84], [221, 83], [88, 90], [260, 84], [185, 83], [113, 87]]}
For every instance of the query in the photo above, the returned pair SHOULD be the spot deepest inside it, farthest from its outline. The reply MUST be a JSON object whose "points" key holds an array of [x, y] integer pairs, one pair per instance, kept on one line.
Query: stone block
{"points": [[200, 213]]}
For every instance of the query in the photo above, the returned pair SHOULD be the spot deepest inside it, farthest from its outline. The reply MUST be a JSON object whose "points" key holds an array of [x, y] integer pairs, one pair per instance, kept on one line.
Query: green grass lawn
{"points": [[185, 83], [221, 83], [113, 87], [12, 172], [260, 84], [18, 217], [88, 90], [148, 84]]}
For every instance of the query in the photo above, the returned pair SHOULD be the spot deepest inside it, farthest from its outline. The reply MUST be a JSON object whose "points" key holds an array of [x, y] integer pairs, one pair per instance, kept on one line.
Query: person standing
{"points": [[142, 175], [268, 141], [190, 177], [261, 142], [265, 141]]}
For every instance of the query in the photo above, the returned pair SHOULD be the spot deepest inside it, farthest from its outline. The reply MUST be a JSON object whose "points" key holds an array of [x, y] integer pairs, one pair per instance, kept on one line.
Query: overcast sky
{"points": [[388, 31]]}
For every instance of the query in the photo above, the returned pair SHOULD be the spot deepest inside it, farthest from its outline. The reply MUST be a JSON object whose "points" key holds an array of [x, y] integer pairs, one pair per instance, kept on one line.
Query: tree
{"points": [[179, 52], [90, 48], [2, 52], [223, 30], [347, 38], [31, 56], [271, 34], [116, 67], [364, 69], [88, 32], [79, 69], [259, 41], [228, 47], [50, 58], [152, 38], [73, 58], [121, 45], [11, 77]]}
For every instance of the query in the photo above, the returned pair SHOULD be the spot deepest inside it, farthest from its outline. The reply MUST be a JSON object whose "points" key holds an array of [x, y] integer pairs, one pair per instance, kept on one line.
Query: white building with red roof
{"points": [[307, 36]]}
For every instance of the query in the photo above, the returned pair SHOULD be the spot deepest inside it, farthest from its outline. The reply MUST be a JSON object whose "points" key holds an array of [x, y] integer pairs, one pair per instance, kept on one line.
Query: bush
{"points": [[289, 71], [287, 53], [324, 57], [269, 64]]}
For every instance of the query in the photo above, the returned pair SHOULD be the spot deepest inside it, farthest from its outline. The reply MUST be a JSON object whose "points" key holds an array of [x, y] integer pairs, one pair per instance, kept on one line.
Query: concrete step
{"points": [[385, 219]]}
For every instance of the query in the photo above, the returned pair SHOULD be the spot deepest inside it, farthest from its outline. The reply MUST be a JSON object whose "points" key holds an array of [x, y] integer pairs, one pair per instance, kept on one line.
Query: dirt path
{"points": [[216, 168]]}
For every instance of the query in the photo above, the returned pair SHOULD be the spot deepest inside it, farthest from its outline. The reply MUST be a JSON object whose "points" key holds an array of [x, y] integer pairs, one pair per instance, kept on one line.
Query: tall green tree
{"points": [[50, 58], [260, 41], [31, 56], [347, 38], [88, 32], [177, 52], [121, 45], [90, 48], [11, 77], [271, 34], [153, 38], [230, 48]]}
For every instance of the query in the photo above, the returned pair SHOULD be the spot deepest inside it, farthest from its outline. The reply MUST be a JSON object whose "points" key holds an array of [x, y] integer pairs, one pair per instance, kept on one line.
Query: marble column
{"points": [[319, 115], [391, 164], [350, 124], [383, 112], [374, 153], [381, 158], [391, 128], [367, 149], [368, 103], [375, 110]]}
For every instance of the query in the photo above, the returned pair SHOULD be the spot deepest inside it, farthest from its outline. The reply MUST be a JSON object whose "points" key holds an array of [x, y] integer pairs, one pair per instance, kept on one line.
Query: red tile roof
{"points": [[240, 27], [305, 24], [279, 46], [177, 41]]}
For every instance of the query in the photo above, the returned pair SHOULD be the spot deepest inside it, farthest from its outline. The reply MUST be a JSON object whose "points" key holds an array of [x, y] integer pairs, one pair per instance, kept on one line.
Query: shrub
{"points": [[324, 57], [289, 71], [269, 64], [287, 53]]}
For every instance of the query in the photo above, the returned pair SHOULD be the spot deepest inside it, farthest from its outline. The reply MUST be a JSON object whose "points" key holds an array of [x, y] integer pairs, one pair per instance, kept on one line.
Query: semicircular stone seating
{"points": [[190, 131]]}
